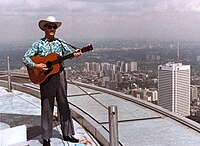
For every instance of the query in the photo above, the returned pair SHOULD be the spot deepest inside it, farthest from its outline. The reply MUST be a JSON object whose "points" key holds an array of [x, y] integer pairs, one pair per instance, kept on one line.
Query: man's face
{"points": [[50, 29]]}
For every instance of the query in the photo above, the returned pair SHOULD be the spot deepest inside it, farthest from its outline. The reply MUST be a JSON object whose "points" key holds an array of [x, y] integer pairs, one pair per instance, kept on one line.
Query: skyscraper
{"points": [[174, 87], [133, 66]]}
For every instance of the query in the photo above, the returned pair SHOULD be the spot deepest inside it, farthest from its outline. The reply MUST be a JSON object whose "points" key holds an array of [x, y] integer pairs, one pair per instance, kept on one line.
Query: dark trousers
{"points": [[55, 86]]}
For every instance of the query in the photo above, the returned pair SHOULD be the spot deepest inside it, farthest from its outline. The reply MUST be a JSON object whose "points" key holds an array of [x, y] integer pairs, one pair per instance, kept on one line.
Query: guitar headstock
{"points": [[87, 48]]}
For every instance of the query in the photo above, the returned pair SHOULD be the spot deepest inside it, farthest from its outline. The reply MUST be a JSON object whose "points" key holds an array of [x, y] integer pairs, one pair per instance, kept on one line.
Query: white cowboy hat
{"points": [[49, 19]]}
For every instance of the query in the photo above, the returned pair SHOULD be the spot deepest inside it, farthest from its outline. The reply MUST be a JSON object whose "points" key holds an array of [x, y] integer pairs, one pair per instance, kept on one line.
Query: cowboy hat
{"points": [[49, 19]]}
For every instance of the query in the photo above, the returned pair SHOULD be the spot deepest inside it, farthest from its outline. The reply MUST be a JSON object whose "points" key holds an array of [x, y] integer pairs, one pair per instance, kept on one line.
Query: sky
{"points": [[176, 20]]}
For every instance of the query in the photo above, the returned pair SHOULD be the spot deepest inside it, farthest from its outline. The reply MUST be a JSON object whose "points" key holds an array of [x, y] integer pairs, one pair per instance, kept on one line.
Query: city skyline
{"points": [[121, 19]]}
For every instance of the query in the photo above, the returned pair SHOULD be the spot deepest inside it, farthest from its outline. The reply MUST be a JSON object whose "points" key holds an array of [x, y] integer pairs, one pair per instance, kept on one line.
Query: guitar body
{"points": [[53, 63], [37, 76]]}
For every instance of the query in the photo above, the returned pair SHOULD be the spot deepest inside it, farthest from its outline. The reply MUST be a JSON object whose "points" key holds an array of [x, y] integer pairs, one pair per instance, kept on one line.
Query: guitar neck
{"points": [[69, 56], [62, 58]]}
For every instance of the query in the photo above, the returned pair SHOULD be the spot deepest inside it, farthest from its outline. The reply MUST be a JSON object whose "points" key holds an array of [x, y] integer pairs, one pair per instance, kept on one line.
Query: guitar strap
{"points": [[75, 48], [61, 45], [61, 42]]}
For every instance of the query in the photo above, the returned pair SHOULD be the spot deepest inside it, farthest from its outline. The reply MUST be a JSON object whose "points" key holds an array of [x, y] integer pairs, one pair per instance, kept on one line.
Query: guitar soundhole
{"points": [[49, 66], [48, 71]]}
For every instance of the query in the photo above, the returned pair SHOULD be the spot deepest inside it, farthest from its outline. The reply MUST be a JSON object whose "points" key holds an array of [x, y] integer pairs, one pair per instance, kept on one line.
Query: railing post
{"points": [[113, 125], [9, 79]]}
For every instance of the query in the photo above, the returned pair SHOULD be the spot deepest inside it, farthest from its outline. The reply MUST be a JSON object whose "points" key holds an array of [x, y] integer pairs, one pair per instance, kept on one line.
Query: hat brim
{"points": [[42, 24]]}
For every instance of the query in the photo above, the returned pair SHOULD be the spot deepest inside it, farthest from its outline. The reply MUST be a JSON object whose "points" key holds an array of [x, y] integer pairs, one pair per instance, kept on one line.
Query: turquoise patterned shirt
{"points": [[43, 47]]}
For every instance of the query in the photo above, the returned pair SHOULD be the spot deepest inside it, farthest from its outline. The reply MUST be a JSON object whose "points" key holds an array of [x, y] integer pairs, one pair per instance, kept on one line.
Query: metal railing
{"points": [[9, 74], [113, 125]]}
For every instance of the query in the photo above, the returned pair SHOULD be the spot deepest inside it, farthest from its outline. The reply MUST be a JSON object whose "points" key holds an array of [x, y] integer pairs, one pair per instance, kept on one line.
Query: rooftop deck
{"points": [[18, 108], [140, 123]]}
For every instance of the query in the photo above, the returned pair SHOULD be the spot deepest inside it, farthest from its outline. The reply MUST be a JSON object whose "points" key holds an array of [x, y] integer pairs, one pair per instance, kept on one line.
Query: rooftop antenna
{"points": [[178, 49]]}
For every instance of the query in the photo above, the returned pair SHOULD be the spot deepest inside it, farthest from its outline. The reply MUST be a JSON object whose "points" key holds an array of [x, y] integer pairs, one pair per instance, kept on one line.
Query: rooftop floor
{"points": [[17, 108], [140, 123]]}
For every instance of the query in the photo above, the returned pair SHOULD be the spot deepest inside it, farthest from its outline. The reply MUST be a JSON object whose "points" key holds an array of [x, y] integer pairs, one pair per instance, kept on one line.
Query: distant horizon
{"points": [[100, 43], [159, 20], [101, 40]]}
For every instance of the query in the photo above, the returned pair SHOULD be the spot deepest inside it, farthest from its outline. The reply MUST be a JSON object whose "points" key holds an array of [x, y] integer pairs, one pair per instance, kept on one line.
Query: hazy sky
{"points": [[102, 19]]}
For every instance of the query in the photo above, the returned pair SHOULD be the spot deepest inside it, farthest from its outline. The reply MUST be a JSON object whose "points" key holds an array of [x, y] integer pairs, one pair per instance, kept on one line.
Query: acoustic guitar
{"points": [[53, 63]]}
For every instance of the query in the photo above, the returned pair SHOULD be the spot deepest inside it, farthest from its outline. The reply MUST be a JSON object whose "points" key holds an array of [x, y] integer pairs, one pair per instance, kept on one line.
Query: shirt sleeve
{"points": [[32, 51]]}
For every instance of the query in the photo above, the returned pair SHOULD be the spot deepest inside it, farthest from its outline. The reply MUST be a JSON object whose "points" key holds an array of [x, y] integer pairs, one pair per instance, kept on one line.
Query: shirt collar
{"points": [[46, 40]]}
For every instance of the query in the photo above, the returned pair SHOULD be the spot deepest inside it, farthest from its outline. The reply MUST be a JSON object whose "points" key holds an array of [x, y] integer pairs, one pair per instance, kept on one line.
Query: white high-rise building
{"points": [[97, 67], [87, 66], [126, 67], [174, 87], [133, 66], [113, 67]]}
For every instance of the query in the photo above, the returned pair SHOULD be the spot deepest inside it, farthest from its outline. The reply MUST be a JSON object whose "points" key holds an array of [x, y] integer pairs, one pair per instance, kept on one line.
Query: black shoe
{"points": [[70, 139], [46, 142]]}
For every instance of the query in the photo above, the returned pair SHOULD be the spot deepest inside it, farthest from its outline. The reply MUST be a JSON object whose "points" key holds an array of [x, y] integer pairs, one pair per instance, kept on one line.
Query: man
{"points": [[55, 85]]}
